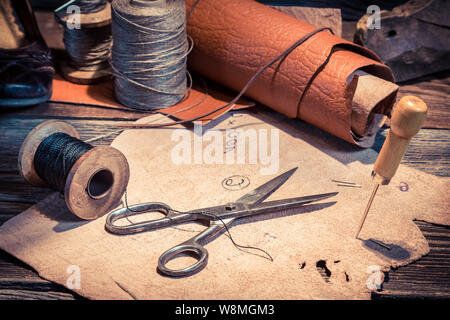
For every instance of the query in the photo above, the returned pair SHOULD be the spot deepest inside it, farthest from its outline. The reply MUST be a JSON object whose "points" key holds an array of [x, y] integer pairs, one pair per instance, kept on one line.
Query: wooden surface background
{"points": [[429, 151]]}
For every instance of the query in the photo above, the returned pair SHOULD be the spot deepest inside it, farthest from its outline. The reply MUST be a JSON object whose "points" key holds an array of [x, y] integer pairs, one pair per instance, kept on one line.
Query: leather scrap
{"points": [[201, 99], [302, 242]]}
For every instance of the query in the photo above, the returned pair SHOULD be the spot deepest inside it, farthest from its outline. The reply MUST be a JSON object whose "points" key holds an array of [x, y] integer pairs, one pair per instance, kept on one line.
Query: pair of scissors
{"points": [[220, 218]]}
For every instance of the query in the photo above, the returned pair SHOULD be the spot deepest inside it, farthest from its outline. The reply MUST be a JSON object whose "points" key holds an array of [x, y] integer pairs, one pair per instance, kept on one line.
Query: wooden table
{"points": [[429, 151], [429, 277]]}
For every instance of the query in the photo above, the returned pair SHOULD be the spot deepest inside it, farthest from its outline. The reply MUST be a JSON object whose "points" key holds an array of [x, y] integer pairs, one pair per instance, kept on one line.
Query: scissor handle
{"points": [[193, 245], [170, 218], [200, 253]]}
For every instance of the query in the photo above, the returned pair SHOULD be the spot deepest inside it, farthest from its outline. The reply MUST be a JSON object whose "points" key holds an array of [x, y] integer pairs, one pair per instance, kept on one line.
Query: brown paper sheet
{"points": [[235, 38], [54, 242]]}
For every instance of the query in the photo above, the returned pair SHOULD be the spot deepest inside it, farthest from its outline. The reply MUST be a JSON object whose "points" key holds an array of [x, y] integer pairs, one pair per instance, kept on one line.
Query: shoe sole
{"points": [[14, 103]]}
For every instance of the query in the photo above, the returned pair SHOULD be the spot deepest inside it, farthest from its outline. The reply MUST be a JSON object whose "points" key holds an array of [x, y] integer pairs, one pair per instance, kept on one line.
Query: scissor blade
{"points": [[264, 191], [244, 210], [285, 204]]}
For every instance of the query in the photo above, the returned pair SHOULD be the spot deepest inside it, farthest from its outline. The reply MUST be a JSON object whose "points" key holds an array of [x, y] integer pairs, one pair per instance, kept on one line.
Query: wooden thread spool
{"points": [[88, 21], [95, 183]]}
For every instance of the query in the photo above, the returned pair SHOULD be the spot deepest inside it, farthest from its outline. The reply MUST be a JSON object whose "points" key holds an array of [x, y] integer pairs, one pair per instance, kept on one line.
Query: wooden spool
{"points": [[95, 183], [93, 20]]}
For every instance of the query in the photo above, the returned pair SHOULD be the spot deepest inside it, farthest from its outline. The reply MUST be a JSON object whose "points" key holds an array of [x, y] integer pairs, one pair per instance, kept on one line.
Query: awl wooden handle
{"points": [[407, 119]]}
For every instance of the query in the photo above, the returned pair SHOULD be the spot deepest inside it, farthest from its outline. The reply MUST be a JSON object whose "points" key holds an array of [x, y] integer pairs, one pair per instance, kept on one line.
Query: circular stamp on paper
{"points": [[236, 182]]}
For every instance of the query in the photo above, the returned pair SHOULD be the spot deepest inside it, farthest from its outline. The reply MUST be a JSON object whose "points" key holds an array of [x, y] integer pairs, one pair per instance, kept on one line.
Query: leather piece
{"points": [[318, 17], [48, 238], [199, 101], [233, 39], [362, 116]]}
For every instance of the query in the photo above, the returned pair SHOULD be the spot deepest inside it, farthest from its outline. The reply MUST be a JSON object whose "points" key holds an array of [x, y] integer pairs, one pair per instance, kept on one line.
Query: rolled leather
{"points": [[316, 82]]}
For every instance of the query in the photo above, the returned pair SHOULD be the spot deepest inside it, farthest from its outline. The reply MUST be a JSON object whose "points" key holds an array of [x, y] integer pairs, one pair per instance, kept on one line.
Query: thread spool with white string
{"points": [[149, 52]]}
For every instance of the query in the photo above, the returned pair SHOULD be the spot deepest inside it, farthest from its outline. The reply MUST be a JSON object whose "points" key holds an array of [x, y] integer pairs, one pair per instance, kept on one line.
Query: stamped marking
{"points": [[231, 140], [403, 186], [235, 183]]}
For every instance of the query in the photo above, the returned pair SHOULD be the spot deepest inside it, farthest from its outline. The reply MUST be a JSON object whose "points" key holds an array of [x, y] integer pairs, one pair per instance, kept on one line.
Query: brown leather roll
{"points": [[316, 82]]}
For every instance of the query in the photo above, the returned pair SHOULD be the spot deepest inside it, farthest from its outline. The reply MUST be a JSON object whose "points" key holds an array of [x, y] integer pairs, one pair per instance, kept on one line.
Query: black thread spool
{"points": [[149, 52], [88, 48], [95, 182]]}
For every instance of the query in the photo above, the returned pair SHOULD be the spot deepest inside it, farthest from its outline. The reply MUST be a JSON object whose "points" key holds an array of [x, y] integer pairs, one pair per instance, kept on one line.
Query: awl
{"points": [[407, 119]]}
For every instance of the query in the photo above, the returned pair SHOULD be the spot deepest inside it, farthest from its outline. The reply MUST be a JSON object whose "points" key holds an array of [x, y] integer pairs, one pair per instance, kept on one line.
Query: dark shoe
{"points": [[26, 73]]}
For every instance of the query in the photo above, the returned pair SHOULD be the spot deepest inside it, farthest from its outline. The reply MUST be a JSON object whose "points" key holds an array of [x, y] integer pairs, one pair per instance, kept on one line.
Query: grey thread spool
{"points": [[88, 48], [149, 52]]}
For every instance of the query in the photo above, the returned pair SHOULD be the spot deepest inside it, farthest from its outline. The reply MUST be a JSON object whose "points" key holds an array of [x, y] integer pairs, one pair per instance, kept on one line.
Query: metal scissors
{"points": [[220, 217]]}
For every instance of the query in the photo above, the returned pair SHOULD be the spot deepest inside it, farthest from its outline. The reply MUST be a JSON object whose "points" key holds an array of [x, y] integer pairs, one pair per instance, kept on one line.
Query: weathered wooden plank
{"points": [[13, 188], [25, 284], [426, 277], [10, 209], [34, 295], [57, 110], [13, 267], [428, 151], [19, 281], [434, 90]]}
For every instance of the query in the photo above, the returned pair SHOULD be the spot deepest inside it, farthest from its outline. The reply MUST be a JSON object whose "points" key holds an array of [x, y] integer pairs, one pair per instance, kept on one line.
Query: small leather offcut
{"points": [[200, 99], [234, 38]]}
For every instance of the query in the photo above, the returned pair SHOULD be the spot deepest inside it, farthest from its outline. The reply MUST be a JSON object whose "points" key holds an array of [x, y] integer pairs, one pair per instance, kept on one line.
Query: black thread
{"points": [[240, 247], [55, 156], [88, 48]]}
